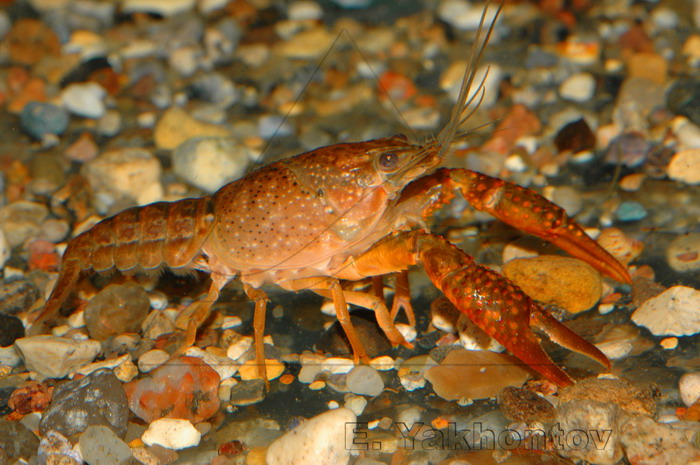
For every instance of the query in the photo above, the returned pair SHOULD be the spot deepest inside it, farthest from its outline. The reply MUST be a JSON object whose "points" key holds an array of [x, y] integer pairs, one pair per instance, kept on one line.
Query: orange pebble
{"points": [[287, 379], [439, 423]]}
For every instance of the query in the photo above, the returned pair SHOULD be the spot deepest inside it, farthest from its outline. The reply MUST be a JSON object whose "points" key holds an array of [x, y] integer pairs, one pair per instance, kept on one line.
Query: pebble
{"points": [[84, 99], [579, 87], [5, 250], [356, 403], [238, 347], [674, 312], [217, 89], [11, 329], [82, 150], [209, 163], [301, 10], [321, 440], [685, 167], [520, 404], [17, 296], [109, 124], [621, 392], [247, 392], [569, 199], [22, 220], [100, 446], [171, 433], [371, 336], [223, 365], [176, 126], [567, 282], [619, 245], [669, 343], [184, 388], [39, 119], [630, 210], [116, 309], [96, 399], [683, 253], [365, 380], [689, 386], [17, 441], [164, 8], [630, 149], [54, 448], [152, 359], [678, 440], [128, 172], [56, 357], [632, 182], [488, 373], [308, 44], [249, 370], [587, 415]]}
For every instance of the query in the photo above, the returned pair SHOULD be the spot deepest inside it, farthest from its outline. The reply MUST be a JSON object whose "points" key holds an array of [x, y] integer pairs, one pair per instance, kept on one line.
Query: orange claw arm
{"points": [[528, 211], [496, 305]]}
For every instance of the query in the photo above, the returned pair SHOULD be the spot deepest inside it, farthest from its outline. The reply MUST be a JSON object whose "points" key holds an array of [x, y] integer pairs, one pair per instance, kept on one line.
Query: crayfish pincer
{"points": [[348, 212]]}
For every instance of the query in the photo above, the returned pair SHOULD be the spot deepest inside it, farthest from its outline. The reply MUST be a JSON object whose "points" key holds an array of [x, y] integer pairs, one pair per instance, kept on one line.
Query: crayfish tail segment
{"points": [[492, 302], [528, 211], [559, 333], [70, 272]]}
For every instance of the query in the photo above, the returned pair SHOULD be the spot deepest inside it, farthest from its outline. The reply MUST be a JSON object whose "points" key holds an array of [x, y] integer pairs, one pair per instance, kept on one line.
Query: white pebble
{"points": [[210, 162], [171, 433], [238, 348], [231, 322], [162, 7], [674, 312], [152, 360], [382, 363], [407, 331], [579, 87], [56, 357], [689, 386], [304, 10], [337, 365], [84, 99], [321, 440], [356, 403]]}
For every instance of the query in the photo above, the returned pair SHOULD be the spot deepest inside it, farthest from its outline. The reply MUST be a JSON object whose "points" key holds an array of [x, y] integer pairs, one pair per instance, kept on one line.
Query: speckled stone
{"points": [[97, 399]]}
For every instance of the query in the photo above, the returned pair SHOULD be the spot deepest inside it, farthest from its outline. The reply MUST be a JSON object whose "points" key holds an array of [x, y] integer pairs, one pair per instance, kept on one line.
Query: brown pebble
{"points": [[520, 404], [619, 391]]}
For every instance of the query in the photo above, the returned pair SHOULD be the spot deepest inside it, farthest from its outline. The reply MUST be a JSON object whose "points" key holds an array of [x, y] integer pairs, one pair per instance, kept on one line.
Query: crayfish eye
{"points": [[388, 161]]}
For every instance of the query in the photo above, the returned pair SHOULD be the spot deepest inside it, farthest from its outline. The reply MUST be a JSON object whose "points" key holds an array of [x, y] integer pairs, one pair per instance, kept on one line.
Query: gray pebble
{"points": [[16, 440], [97, 399], [248, 392], [365, 380], [116, 309], [100, 446], [39, 119], [17, 296]]}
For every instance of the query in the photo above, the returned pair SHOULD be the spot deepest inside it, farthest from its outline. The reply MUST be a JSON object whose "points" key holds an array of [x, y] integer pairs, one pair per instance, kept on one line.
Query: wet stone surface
{"points": [[95, 400], [116, 104]]}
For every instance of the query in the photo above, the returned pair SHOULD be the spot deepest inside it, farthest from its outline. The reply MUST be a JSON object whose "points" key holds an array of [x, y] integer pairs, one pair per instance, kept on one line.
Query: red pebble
{"points": [[43, 256], [232, 448], [34, 397], [185, 388]]}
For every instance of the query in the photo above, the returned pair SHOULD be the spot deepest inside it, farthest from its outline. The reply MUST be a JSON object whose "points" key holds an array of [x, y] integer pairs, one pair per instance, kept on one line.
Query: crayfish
{"points": [[347, 212]]}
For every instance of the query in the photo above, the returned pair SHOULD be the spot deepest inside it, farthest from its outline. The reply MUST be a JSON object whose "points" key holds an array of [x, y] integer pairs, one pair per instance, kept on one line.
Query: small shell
{"points": [[624, 248]]}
